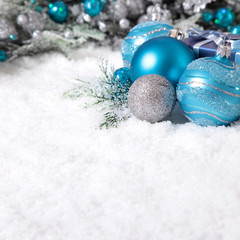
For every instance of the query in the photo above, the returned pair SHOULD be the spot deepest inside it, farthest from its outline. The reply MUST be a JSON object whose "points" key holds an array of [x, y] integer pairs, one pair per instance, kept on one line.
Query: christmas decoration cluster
{"points": [[28, 27]]}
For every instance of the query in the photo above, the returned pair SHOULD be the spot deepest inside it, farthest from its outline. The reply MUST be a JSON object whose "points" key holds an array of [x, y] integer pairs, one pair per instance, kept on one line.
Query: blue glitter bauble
{"points": [[207, 17], [140, 34], [3, 56], [93, 7], [58, 11], [122, 75], [165, 56], [209, 91], [224, 17]]}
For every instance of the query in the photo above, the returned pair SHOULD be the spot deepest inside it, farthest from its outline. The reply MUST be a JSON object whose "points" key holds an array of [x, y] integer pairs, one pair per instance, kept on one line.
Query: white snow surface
{"points": [[61, 178]]}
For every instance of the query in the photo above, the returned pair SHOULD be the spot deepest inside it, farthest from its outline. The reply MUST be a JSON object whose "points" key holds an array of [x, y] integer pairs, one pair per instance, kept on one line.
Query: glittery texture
{"points": [[209, 91], [140, 34], [151, 98], [6, 29]]}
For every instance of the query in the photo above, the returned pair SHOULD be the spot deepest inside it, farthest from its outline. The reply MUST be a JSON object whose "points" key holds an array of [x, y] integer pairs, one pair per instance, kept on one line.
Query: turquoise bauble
{"points": [[3, 56], [58, 11], [207, 17], [93, 7], [209, 91], [224, 17], [140, 34], [165, 56], [122, 76]]}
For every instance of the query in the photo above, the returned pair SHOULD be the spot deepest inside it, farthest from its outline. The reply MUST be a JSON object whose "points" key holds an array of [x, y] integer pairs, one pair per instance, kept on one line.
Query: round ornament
{"points": [[3, 56], [209, 91], [207, 17], [224, 17], [165, 56], [235, 29], [151, 98], [140, 34], [58, 11], [93, 7], [122, 75]]}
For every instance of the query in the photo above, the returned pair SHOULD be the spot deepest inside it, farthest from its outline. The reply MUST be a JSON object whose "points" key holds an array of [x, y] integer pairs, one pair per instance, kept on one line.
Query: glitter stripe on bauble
{"points": [[139, 35], [209, 91]]}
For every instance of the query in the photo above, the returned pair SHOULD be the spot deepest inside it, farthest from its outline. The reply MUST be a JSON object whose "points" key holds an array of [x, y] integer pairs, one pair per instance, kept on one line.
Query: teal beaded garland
{"points": [[224, 17], [3, 56], [93, 7], [165, 56], [209, 91], [139, 35], [122, 75], [207, 17], [58, 11]]}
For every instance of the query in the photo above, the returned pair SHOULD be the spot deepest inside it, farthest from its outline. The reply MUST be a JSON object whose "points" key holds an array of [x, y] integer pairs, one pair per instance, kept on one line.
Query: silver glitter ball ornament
{"points": [[35, 21], [124, 23], [118, 10], [151, 98], [135, 8], [7, 29], [143, 18]]}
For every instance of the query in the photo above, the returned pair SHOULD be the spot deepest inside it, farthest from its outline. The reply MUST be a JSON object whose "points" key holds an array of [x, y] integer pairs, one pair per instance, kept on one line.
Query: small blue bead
{"points": [[224, 17], [207, 17], [12, 37], [122, 75], [93, 7], [3, 56], [58, 11], [39, 9]]}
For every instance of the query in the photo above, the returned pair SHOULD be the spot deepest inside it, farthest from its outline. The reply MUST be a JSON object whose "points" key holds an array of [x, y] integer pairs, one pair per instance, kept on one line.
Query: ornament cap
{"points": [[176, 33], [224, 50]]}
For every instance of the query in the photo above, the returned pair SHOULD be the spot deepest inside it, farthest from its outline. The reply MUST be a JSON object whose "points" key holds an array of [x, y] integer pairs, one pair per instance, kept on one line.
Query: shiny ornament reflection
{"points": [[164, 56]]}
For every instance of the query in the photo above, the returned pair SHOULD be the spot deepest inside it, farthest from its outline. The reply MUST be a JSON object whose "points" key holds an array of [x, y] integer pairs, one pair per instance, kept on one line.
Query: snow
{"points": [[63, 178]]}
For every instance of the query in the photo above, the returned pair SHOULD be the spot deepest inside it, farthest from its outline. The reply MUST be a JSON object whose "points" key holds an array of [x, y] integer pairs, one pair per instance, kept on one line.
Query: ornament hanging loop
{"points": [[224, 49], [176, 33]]}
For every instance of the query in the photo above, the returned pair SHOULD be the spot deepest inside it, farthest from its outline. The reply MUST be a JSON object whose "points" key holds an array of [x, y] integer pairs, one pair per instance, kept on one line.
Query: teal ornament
{"points": [[209, 91], [165, 56], [224, 17], [12, 37], [122, 76], [93, 7], [3, 56], [207, 17], [139, 35], [58, 11], [235, 29]]}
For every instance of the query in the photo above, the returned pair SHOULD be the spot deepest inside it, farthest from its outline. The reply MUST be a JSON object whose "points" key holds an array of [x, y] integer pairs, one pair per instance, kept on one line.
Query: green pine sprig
{"points": [[109, 95]]}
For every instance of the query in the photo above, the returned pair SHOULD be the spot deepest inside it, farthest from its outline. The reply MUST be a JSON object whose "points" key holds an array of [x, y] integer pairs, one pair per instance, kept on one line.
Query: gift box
{"points": [[205, 43]]}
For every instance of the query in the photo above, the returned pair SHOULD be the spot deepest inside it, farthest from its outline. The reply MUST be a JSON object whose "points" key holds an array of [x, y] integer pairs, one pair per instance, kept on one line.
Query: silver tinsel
{"points": [[6, 29], [151, 98]]}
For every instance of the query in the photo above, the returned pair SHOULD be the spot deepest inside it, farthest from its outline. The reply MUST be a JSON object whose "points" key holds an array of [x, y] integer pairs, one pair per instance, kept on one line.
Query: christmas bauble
{"points": [[140, 34], [122, 76], [3, 56], [151, 98], [165, 56], [93, 7], [209, 91], [224, 17], [58, 11]]}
